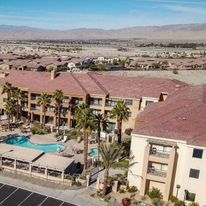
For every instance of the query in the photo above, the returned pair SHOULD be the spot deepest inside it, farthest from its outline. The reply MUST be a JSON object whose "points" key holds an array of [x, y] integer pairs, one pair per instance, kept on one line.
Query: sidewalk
{"points": [[79, 197]]}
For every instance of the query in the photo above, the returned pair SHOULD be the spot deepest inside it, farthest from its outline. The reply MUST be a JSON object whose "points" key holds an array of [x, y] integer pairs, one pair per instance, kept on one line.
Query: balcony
{"points": [[159, 153], [156, 172], [159, 156]]}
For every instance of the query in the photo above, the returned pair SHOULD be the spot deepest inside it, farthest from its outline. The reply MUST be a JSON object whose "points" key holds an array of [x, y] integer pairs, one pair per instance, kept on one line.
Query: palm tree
{"points": [[101, 122], [85, 120], [121, 112], [7, 89], [9, 109], [44, 100], [109, 153], [17, 96], [58, 97]]}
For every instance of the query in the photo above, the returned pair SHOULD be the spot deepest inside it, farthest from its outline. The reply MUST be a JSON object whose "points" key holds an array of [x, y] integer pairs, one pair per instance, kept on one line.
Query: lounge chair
{"points": [[65, 138]]}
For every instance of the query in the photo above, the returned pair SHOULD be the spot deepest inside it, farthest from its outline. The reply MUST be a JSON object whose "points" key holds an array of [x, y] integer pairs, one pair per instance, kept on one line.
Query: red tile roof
{"points": [[181, 117], [93, 83]]}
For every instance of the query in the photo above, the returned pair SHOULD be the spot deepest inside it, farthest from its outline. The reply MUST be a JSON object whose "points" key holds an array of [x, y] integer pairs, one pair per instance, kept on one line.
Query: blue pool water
{"points": [[23, 141], [94, 152]]}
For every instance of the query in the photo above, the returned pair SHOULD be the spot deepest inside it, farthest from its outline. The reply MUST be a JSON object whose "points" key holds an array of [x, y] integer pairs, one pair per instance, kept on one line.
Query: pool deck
{"points": [[70, 145]]}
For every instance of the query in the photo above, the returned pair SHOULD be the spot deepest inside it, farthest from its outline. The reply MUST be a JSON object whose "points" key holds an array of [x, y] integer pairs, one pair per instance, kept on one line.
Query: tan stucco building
{"points": [[100, 92], [169, 147]]}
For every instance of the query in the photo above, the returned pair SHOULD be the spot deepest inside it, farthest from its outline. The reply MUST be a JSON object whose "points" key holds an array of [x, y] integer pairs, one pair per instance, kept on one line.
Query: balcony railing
{"points": [[159, 153], [156, 172]]}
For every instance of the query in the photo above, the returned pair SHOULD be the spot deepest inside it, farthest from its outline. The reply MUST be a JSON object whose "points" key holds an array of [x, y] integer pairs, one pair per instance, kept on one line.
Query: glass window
{"points": [[194, 173], [149, 102], [128, 102], [197, 153], [190, 196]]}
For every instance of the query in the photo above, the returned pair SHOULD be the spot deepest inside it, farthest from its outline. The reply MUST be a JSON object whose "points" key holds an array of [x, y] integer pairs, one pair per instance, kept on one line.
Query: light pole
{"points": [[177, 187]]}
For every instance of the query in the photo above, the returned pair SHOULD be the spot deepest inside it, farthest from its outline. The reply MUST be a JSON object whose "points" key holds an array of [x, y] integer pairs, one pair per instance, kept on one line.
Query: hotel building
{"points": [[169, 147], [100, 92]]}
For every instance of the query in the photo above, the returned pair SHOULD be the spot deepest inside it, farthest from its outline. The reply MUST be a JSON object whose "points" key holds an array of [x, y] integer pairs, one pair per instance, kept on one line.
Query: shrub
{"points": [[156, 202], [122, 191], [175, 71], [194, 204], [38, 129], [107, 198], [128, 131], [132, 189], [126, 201], [155, 193], [176, 201]]}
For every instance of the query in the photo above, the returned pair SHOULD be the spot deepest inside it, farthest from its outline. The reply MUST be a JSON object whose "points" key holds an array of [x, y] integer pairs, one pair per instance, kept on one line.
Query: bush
{"points": [[126, 201], [177, 202], [128, 131], [122, 191], [155, 193], [156, 202], [175, 71], [78, 184], [38, 129], [194, 204], [132, 189], [107, 198]]}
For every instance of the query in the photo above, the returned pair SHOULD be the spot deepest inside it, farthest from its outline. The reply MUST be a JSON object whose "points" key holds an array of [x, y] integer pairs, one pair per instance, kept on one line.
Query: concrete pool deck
{"points": [[70, 145]]}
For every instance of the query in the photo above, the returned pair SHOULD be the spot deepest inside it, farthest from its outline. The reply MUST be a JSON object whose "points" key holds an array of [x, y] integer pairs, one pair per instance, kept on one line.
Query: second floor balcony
{"points": [[156, 172]]}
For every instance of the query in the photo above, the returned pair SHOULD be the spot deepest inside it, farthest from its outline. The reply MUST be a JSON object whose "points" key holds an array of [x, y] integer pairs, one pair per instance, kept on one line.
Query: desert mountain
{"points": [[176, 32]]}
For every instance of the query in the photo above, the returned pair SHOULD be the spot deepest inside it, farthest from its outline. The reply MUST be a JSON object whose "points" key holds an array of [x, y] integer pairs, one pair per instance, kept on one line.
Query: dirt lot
{"points": [[191, 77]]}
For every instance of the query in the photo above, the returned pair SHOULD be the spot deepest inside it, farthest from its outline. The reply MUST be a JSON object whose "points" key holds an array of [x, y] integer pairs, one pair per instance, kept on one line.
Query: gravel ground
{"points": [[188, 76]]}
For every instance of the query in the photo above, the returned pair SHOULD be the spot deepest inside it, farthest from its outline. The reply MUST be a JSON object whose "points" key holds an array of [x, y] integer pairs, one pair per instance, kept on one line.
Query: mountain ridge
{"points": [[175, 31]]}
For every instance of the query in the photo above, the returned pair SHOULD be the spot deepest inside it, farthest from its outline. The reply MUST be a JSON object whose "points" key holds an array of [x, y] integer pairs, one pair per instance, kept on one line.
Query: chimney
{"points": [[53, 74]]}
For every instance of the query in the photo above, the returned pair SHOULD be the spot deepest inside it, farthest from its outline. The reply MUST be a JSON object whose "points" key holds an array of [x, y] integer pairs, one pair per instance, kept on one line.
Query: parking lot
{"points": [[13, 196]]}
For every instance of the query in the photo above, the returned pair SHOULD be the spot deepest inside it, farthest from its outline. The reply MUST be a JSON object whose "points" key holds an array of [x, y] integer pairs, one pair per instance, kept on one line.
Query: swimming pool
{"points": [[94, 152], [24, 141]]}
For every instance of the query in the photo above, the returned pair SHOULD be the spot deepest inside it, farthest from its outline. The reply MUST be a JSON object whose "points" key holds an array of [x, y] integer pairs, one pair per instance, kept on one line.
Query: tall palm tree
{"points": [[121, 112], [7, 89], [17, 96], [58, 97], [101, 122], [9, 109], [109, 153], [44, 100], [85, 120]]}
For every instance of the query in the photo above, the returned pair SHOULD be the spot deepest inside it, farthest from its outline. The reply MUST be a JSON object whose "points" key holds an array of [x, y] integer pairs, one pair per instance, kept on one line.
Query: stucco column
{"points": [[46, 173], [144, 170], [62, 176], [15, 164], [169, 177], [29, 168]]}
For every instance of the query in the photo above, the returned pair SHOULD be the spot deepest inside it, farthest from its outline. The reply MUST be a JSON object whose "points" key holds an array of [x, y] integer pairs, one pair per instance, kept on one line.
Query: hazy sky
{"points": [[107, 14]]}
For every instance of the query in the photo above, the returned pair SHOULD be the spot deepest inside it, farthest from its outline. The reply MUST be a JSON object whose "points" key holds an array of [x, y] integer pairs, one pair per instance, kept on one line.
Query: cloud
{"points": [[186, 9]]}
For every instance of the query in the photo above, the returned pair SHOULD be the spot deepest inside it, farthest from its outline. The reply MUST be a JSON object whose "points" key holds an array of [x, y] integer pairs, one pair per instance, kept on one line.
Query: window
{"points": [[189, 196], [128, 102], [148, 102], [194, 173], [197, 153]]}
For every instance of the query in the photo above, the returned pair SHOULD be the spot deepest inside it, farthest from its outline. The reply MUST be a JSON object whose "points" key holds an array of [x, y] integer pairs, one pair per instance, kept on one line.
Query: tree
{"points": [[7, 89], [58, 97], [85, 120], [17, 96], [121, 112], [109, 153], [44, 100], [101, 122], [9, 109]]}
